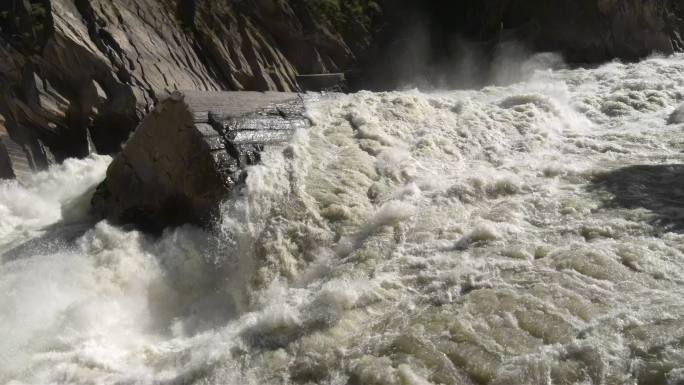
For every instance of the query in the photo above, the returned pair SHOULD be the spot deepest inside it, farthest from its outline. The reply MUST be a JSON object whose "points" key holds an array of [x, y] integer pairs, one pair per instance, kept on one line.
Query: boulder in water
{"points": [[13, 160], [677, 117], [190, 153]]}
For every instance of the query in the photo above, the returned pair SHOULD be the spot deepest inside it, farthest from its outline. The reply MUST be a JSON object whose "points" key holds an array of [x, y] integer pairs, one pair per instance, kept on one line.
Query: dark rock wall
{"points": [[79, 75], [597, 30], [189, 154], [452, 43]]}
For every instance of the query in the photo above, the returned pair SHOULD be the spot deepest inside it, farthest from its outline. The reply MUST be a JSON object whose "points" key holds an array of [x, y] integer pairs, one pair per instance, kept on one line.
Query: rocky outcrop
{"points": [[78, 75], [598, 30], [583, 30], [677, 116], [13, 160], [459, 43], [189, 154], [323, 82], [6, 166]]}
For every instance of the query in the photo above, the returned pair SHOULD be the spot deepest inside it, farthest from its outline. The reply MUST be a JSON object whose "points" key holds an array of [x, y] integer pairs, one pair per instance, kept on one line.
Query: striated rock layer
{"points": [[189, 154], [79, 75]]}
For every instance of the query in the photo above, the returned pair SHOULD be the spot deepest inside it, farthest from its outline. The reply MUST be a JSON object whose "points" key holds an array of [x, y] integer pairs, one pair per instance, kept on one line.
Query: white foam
{"points": [[62, 192], [406, 238]]}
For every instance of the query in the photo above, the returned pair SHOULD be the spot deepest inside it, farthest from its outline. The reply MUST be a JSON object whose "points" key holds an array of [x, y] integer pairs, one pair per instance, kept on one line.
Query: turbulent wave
{"points": [[528, 234], [60, 194]]}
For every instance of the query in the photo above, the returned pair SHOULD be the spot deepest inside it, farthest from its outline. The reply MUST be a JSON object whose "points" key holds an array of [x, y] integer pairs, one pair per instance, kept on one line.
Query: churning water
{"points": [[528, 234]]}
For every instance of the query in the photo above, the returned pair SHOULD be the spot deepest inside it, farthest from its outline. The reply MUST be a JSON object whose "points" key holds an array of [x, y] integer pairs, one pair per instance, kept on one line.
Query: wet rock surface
{"points": [[190, 153]]}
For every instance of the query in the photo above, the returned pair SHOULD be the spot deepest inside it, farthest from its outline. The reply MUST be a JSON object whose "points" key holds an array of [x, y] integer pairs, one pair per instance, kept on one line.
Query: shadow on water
{"points": [[657, 188], [193, 290], [58, 236]]}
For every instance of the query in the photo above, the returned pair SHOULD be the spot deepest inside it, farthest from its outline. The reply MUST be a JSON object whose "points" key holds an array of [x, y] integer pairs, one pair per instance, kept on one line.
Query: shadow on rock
{"points": [[658, 188]]}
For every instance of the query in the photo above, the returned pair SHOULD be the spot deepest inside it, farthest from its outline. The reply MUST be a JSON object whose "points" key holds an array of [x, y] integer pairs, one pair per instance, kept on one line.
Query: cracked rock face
{"points": [[583, 30], [79, 75], [189, 154], [677, 116], [460, 43]]}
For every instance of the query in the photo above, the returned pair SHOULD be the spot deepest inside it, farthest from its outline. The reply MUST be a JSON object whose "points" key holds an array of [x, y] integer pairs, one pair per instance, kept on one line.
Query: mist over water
{"points": [[526, 233]]}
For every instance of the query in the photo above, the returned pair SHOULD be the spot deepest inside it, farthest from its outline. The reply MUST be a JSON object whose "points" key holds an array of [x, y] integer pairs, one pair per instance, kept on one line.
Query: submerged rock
{"points": [[677, 117], [190, 153], [79, 75]]}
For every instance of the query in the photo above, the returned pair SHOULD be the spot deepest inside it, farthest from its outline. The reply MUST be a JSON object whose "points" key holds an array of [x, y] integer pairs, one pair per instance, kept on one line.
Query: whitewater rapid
{"points": [[522, 234]]}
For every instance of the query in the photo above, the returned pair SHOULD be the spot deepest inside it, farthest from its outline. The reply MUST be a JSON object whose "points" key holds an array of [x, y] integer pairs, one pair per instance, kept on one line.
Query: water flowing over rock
{"points": [[189, 154]]}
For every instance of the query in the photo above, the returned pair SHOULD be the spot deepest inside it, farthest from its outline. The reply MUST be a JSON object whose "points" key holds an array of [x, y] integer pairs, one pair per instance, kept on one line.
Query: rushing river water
{"points": [[528, 234]]}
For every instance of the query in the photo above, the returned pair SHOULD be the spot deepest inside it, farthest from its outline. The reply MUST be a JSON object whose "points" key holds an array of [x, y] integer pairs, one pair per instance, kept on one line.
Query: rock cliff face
{"points": [[79, 75], [592, 30], [677, 116], [14, 162], [433, 40]]}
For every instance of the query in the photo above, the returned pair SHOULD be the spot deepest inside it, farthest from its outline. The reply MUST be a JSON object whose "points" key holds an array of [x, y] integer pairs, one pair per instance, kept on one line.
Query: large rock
{"points": [[677, 116], [190, 152], [78, 75], [463, 43]]}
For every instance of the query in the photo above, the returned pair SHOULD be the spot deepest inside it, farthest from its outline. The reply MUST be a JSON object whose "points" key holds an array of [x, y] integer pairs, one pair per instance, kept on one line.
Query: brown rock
{"points": [[190, 152], [78, 75]]}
